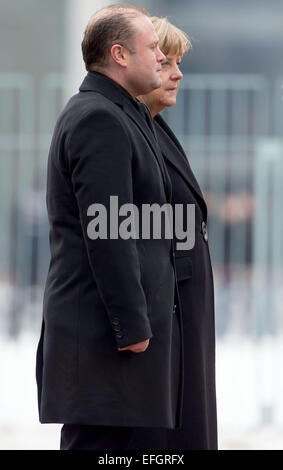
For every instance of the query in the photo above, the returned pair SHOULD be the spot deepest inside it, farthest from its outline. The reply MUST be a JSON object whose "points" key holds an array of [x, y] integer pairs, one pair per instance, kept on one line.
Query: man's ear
{"points": [[119, 54]]}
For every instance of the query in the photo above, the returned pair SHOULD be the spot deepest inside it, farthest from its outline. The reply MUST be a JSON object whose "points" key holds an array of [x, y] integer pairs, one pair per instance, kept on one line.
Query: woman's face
{"points": [[166, 95]]}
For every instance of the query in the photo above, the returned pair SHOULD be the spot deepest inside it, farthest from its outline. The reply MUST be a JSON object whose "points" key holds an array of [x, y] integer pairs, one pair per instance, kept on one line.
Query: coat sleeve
{"points": [[100, 161]]}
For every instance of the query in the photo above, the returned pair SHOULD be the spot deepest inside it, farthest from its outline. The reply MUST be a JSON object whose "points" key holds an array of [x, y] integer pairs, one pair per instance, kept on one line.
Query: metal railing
{"points": [[231, 128]]}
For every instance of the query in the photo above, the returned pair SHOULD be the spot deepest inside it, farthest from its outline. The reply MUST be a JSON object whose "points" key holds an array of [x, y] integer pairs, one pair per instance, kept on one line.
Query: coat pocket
{"points": [[184, 268]]}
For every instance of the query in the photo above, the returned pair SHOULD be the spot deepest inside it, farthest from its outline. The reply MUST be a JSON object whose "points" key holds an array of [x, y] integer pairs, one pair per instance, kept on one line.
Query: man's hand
{"points": [[137, 347]]}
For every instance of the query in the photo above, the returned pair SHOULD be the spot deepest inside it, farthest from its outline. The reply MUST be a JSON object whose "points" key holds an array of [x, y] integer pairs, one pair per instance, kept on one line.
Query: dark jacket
{"points": [[196, 293], [105, 293]]}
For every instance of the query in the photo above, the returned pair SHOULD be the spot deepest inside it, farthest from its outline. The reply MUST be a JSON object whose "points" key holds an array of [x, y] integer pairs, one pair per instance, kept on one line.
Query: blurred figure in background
{"points": [[193, 267]]}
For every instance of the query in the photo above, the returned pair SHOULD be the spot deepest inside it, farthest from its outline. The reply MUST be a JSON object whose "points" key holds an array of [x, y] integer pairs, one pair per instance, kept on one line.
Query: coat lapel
{"points": [[104, 85], [138, 119], [174, 153]]}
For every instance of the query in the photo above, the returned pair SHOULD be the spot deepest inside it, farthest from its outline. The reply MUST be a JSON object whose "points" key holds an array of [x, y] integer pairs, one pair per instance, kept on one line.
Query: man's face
{"points": [[144, 66]]}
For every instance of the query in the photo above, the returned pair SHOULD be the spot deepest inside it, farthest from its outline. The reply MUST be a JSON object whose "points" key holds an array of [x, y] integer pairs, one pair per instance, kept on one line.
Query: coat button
{"points": [[115, 321], [116, 328], [119, 335], [174, 308], [204, 231]]}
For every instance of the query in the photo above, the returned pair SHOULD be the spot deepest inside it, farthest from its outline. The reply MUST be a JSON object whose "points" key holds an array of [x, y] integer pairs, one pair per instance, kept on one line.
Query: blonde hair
{"points": [[172, 40]]}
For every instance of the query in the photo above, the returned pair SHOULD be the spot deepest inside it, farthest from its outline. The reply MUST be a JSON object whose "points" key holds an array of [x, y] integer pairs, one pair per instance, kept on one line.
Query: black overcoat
{"points": [[196, 294], [107, 293]]}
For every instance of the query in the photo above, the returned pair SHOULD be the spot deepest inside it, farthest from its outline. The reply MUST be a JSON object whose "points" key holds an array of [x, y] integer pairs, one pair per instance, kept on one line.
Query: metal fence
{"points": [[231, 129]]}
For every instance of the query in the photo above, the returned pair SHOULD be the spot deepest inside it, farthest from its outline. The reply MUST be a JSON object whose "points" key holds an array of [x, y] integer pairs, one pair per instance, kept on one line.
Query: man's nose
{"points": [[160, 57]]}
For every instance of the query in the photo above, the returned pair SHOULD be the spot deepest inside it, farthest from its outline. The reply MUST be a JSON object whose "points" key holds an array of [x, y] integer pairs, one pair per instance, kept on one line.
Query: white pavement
{"points": [[249, 391]]}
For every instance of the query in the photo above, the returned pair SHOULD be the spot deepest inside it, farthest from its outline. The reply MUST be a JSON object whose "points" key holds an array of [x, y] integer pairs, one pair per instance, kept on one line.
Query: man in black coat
{"points": [[109, 359]]}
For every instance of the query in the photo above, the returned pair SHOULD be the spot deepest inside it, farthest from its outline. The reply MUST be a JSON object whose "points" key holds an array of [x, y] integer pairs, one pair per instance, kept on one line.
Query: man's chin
{"points": [[157, 83], [154, 86]]}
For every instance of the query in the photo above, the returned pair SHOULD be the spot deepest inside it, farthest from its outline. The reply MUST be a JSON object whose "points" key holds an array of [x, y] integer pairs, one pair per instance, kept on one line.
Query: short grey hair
{"points": [[110, 25]]}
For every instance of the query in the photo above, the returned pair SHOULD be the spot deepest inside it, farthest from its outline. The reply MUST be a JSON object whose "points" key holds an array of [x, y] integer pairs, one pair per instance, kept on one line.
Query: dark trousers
{"points": [[84, 437]]}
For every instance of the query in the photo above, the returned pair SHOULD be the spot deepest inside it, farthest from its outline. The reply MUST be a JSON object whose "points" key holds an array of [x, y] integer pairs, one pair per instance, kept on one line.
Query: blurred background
{"points": [[229, 118]]}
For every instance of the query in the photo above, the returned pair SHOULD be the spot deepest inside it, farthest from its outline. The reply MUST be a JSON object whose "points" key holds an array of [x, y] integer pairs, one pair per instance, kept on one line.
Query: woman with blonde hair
{"points": [[193, 268]]}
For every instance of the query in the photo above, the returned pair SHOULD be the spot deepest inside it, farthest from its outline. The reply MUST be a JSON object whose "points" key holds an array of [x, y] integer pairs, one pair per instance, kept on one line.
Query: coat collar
{"points": [[136, 116], [179, 160], [99, 83]]}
